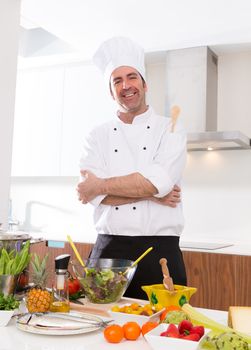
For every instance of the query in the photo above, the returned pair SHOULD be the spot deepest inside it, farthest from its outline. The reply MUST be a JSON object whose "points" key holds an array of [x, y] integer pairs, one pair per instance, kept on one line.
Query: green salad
{"points": [[103, 286]]}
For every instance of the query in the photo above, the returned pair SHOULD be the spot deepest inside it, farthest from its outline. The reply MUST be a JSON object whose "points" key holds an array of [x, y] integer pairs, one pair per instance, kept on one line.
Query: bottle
{"points": [[60, 298]]}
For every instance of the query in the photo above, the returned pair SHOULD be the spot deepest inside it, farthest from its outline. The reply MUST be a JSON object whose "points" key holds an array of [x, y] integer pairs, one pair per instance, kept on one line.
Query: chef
{"points": [[131, 170]]}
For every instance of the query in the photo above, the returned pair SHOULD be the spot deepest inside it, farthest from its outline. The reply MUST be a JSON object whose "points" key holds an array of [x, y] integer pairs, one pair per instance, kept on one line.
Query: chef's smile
{"points": [[129, 96]]}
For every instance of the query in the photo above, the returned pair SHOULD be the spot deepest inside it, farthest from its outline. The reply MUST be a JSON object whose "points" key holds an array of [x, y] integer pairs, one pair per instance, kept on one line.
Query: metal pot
{"points": [[14, 241], [11, 241], [8, 284]]}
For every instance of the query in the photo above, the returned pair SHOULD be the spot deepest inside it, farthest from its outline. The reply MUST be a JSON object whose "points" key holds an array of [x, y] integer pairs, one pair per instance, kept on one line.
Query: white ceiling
{"points": [[157, 25]]}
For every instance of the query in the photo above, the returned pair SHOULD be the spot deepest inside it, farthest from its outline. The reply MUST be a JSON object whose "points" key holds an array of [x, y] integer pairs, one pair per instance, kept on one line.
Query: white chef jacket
{"points": [[146, 146]]}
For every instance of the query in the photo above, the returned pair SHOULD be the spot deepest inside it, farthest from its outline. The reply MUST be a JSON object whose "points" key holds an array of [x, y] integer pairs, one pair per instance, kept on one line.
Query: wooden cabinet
{"points": [[42, 249], [222, 279]]}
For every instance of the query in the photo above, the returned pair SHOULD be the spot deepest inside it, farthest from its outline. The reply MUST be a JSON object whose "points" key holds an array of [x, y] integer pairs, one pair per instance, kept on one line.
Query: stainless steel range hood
{"points": [[217, 140], [192, 82]]}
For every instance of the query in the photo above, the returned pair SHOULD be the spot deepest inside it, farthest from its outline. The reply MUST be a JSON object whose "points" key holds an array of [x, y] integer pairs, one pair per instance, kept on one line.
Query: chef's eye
{"points": [[133, 76], [116, 82]]}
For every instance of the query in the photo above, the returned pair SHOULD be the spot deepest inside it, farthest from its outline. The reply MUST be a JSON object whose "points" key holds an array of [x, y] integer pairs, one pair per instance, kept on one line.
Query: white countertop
{"points": [[232, 248], [12, 339]]}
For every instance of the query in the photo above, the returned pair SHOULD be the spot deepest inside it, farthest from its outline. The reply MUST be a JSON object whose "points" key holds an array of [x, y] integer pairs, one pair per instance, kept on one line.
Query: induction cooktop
{"points": [[204, 245]]}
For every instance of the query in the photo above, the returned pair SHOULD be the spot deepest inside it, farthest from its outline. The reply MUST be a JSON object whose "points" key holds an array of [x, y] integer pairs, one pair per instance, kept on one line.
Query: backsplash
{"points": [[216, 195]]}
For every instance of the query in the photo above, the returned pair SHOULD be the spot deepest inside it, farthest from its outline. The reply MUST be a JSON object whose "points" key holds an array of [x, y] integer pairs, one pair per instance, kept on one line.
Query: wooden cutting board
{"points": [[102, 309], [89, 309]]}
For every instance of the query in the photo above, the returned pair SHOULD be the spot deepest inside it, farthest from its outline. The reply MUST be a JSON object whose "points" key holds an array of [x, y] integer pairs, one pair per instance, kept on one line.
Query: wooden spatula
{"points": [[167, 280], [175, 112]]}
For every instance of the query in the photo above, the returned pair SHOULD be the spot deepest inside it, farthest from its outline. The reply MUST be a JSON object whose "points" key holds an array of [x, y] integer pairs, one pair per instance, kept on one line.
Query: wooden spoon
{"points": [[167, 280], [175, 112]]}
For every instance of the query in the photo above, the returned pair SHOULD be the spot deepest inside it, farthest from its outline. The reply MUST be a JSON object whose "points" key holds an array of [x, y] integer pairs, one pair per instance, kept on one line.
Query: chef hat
{"points": [[117, 52]]}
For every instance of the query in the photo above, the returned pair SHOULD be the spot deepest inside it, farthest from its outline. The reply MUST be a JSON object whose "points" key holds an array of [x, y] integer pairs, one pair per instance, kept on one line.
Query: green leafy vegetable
{"points": [[8, 302], [103, 286], [11, 264]]}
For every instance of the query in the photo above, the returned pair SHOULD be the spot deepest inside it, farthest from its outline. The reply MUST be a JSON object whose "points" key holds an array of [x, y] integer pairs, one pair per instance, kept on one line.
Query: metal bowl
{"points": [[105, 280]]}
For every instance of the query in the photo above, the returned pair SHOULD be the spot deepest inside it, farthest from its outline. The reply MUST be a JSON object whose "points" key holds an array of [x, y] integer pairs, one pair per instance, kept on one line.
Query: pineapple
{"points": [[38, 299]]}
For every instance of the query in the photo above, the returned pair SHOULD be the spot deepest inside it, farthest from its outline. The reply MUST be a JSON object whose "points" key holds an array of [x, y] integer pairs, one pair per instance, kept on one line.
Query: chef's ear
{"points": [[144, 83], [145, 86]]}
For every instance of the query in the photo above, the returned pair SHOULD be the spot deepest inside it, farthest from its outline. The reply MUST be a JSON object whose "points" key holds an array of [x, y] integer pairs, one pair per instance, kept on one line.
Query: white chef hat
{"points": [[117, 52]]}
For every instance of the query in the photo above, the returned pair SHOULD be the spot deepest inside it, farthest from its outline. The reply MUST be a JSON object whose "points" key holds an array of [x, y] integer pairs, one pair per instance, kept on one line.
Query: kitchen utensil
{"points": [[175, 111], [167, 280], [8, 284], [158, 342], [11, 241], [104, 281], [89, 309], [76, 253], [139, 258], [159, 296]]}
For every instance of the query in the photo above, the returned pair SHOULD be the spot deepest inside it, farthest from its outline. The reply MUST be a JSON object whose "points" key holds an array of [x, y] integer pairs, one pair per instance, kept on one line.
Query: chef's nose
{"points": [[125, 84]]}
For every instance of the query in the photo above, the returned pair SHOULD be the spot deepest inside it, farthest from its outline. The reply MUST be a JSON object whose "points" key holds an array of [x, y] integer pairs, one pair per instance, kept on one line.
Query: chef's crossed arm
{"points": [[123, 190]]}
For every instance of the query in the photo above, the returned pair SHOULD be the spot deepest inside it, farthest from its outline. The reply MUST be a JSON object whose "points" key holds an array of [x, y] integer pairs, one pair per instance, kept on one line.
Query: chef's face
{"points": [[128, 89]]}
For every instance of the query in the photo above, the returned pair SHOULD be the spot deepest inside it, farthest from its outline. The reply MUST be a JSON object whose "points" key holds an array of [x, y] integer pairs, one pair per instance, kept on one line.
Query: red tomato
{"points": [[73, 285]]}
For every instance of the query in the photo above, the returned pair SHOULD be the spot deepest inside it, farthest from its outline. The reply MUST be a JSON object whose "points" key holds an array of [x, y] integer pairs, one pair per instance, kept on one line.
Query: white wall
{"points": [[217, 194], [9, 29], [216, 187], [48, 207]]}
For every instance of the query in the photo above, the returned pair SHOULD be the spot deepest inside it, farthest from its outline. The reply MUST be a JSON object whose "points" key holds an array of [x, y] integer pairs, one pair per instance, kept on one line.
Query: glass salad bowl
{"points": [[104, 280]]}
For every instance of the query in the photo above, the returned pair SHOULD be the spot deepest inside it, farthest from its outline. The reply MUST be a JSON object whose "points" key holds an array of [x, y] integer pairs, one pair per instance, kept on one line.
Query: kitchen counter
{"points": [[186, 244], [12, 338], [214, 247]]}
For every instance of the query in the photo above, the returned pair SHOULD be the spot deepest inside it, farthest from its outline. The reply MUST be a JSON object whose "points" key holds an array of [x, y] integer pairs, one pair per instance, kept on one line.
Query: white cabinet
{"points": [[55, 109], [87, 103], [37, 125]]}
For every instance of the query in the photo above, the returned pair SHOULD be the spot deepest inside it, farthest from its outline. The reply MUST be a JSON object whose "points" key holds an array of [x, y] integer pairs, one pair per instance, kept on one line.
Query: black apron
{"points": [[149, 270]]}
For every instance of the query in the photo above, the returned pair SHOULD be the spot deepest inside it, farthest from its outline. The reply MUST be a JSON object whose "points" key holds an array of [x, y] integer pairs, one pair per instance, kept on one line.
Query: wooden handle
{"points": [[165, 271], [175, 111]]}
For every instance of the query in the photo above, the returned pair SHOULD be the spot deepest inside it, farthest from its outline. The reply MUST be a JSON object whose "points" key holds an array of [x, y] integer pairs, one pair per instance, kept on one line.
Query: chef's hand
{"points": [[171, 199], [90, 187]]}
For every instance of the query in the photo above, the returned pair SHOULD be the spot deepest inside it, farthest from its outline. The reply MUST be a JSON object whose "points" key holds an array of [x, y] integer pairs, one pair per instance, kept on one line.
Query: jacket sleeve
{"points": [[93, 160], [166, 168]]}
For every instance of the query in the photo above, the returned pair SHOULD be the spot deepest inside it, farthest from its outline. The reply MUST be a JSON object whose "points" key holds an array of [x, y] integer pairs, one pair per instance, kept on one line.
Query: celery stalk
{"points": [[199, 319]]}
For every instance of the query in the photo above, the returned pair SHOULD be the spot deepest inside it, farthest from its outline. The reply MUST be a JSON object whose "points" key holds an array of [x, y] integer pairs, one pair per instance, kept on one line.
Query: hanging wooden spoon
{"points": [[167, 280], [175, 112]]}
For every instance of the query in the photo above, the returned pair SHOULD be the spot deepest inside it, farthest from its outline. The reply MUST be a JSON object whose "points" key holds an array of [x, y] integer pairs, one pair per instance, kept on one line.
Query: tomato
{"points": [[23, 280], [114, 333], [148, 326], [167, 309], [131, 330], [73, 285]]}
